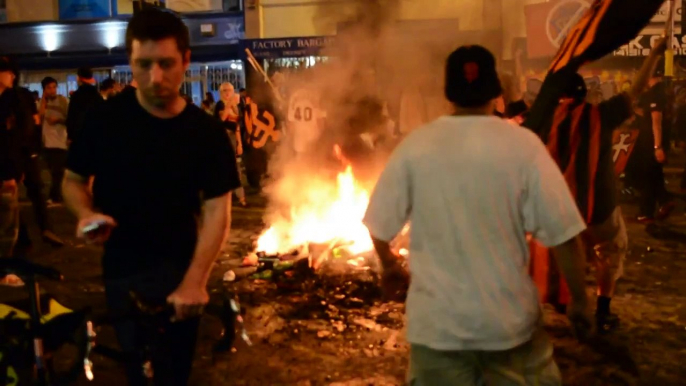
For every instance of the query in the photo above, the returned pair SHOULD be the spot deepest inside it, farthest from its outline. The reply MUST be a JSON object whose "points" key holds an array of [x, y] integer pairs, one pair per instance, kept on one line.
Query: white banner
{"points": [[642, 45]]}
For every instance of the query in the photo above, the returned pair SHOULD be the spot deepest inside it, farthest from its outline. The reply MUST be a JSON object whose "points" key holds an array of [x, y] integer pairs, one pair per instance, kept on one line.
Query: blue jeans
{"points": [[172, 359]]}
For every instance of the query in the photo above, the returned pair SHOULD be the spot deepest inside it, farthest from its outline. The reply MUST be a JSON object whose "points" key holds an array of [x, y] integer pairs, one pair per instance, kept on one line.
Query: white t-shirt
{"points": [[472, 187], [303, 119], [55, 136]]}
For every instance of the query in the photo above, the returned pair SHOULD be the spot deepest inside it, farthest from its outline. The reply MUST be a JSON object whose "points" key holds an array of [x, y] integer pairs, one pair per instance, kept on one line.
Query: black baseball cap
{"points": [[471, 78]]}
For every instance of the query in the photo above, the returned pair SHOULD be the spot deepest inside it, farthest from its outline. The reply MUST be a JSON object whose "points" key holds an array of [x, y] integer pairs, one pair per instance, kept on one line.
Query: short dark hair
{"points": [[47, 81], [107, 84], [576, 88], [85, 73], [156, 24]]}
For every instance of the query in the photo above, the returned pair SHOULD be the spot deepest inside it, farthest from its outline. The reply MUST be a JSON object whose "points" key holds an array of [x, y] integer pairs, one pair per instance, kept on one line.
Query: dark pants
{"points": [[653, 190], [172, 358], [647, 175], [57, 161], [9, 221], [34, 189]]}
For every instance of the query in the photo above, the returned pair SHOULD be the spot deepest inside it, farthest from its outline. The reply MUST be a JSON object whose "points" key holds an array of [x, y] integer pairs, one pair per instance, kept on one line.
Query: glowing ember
{"points": [[330, 214]]}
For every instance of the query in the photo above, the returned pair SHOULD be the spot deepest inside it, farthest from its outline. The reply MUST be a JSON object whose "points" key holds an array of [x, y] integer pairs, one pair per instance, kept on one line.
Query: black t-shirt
{"points": [[16, 123], [653, 100], [150, 176], [613, 113], [228, 125]]}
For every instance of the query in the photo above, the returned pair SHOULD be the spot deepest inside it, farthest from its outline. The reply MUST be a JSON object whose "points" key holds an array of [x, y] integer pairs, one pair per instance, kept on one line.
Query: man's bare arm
{"points": [[571, 258], [213, 231], [76, 194], [656, 117]]}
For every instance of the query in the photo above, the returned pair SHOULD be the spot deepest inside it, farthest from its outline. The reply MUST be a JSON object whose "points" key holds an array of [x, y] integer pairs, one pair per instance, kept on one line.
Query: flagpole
{"points": [[669, 65], [669, 53]]}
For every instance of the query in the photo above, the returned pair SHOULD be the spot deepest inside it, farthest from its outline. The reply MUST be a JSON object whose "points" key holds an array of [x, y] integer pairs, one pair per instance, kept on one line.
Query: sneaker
{"points": [[645, 219], [665, 210], [12, 280], [606, 323], [51, 238]]}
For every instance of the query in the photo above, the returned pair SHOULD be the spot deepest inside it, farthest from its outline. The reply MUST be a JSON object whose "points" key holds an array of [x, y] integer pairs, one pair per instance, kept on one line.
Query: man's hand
{"points": [[189, 301], [239, 149], [395, 282], [660, 155], [579, 316], [101, 234]]}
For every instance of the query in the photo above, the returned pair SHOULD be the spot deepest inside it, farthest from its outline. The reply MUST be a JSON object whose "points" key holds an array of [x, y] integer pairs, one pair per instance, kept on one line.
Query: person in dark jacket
{"points": [[13, 116], [83, 99]]}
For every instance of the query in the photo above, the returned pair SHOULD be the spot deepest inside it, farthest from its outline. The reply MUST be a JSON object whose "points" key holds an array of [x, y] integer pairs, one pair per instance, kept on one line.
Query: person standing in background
{"points": [[226, 110], [209, 101], [31, 143], [108, 88], [646, 164], [13, 118], [53, 112], [83, 99]]}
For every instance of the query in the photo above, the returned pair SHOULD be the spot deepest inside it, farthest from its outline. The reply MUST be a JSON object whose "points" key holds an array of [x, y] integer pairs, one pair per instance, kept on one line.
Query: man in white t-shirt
{"points": [[473, 185], [53, 111]]}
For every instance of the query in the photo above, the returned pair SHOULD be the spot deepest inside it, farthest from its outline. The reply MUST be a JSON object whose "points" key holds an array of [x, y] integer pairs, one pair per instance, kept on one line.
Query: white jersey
{"points": [[303, 119]]}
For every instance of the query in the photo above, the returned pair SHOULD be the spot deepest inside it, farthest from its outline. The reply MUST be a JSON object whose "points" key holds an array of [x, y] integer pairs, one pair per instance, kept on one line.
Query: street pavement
{"points": [[319, 334]]}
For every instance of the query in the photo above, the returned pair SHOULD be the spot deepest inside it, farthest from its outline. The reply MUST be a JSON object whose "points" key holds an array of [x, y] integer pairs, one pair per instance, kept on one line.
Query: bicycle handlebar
{"points": [[25, 269]]}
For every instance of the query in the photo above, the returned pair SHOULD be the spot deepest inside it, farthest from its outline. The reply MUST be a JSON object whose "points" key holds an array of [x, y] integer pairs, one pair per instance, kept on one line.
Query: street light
{"points": [[50, 37]]}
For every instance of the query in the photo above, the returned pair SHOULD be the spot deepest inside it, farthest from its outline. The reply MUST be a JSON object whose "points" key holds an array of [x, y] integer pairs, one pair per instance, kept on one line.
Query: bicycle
{"points": [[31, 340], [30, 337]]}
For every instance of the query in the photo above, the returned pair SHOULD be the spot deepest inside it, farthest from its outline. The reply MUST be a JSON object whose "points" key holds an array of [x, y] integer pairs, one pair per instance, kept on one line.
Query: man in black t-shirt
{"points": [[646, 164], [12, 118], [158, 164]]}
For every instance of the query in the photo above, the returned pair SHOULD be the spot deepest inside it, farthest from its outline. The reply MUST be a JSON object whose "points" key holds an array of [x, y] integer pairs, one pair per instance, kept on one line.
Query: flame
{"points": [[332, 214]]}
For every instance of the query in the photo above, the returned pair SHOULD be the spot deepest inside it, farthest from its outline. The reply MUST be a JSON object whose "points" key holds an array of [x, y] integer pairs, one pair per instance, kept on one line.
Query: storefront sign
{"points": [[642, 45], [547, 24], [84, 9], [288, 47]]}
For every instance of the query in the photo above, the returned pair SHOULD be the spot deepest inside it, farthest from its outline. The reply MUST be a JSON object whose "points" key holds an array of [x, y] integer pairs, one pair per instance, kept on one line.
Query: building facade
{"points": [[55, 37]]}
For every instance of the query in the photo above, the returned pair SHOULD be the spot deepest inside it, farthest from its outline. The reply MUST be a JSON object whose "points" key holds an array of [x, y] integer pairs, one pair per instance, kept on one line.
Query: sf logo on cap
{"points": [[471, 71]]}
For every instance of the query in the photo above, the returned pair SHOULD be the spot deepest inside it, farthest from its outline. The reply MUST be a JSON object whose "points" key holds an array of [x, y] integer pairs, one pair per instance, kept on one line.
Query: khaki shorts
{"points": [[530, 364], [608, 243]]}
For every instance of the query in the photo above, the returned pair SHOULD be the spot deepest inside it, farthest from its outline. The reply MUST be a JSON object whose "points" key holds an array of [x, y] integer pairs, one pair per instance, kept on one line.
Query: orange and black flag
{"points": [[607, 25]]}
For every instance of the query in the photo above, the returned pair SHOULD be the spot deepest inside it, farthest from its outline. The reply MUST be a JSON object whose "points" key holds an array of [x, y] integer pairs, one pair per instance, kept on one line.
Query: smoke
{"points": [[384, 78]]}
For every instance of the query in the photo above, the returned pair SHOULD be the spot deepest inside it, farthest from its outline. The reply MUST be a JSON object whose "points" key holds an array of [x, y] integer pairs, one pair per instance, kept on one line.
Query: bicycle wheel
{"points": [[66, 343]]}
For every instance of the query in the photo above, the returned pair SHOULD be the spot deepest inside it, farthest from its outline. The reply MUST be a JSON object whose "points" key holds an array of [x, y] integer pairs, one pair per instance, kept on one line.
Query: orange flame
{"points": [[331, 214]]}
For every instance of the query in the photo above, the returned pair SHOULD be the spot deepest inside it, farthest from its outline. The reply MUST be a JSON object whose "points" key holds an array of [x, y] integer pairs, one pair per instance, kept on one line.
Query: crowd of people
{"points": [[150, 176]]}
